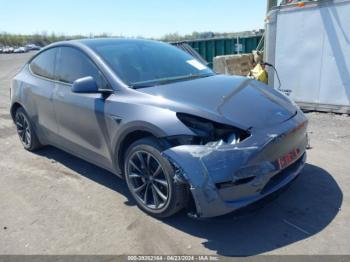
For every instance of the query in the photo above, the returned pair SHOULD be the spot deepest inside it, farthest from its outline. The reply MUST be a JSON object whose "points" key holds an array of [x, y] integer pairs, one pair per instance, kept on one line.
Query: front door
{"points": [[82, 125]]}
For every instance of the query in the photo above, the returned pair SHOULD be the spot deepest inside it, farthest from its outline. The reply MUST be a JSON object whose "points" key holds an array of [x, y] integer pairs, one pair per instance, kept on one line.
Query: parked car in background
{"points": [[8, 49], [31, 47], [5, 50], [20, 50], [154, 115]]}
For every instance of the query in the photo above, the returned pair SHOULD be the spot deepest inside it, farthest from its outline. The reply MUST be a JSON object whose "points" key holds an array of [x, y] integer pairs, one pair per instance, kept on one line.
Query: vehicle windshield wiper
{"points": [[167, 80], [141, 85]]}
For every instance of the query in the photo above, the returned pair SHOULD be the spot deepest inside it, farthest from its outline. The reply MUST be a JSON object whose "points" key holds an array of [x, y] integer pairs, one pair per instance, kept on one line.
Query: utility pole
{"points": [[271, 4]]}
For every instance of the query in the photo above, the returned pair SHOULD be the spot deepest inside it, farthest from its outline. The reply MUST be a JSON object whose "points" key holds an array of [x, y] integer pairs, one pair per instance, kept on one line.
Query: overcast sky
{"points": [[149, 18]]}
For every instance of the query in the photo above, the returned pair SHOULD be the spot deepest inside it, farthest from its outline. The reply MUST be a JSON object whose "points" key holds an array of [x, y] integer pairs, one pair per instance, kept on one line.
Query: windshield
{"points": [[147, 63]]}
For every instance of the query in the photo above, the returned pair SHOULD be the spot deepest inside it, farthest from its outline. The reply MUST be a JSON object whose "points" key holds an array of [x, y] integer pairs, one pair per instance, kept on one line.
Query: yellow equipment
{"points": [[259, 73]]}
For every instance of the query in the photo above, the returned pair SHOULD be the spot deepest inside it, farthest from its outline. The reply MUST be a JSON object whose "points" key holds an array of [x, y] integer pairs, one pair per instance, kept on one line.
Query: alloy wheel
{"points": [[23, 129], [148, 182]]}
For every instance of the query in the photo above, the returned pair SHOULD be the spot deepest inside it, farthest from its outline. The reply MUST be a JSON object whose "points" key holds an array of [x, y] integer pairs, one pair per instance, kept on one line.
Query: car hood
{"points": [[235, 100]]}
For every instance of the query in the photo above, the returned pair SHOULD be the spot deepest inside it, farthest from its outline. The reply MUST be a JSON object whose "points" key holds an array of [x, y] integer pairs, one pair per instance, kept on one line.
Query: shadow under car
{"points": [[297, 212]]}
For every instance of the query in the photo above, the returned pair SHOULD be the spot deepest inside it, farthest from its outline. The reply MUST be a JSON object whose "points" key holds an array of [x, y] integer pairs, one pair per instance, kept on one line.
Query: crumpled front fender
{"points": [[224, 178]]}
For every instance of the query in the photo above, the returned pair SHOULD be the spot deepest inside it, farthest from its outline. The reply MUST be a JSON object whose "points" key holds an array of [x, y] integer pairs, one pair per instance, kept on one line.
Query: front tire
{"points": [[25, 131], [150, 179]]}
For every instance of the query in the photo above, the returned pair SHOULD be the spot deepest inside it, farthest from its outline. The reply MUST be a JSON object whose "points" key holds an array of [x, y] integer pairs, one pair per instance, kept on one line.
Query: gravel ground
{"points": [[54, 203]]}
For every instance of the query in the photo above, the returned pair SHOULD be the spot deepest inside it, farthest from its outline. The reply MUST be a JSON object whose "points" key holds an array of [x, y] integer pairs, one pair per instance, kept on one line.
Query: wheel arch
{"points": [[14, 108], [129, 136]]}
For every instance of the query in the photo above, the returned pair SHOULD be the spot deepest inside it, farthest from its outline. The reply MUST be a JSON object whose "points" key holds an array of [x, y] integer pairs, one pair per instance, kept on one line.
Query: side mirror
{"points": [[85, 85]]}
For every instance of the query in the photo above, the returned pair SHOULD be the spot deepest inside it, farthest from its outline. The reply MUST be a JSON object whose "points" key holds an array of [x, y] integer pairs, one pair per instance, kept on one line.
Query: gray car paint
{"points": [[93, 126], [206, 166]]}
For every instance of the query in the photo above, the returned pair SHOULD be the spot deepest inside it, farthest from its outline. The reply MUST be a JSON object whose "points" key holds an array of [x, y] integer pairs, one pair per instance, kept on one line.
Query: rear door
{"points": [[82, 125], [39, 94]]}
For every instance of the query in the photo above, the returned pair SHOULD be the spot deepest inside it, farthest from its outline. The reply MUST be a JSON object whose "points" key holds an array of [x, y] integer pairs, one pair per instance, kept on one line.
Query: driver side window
{"points": [[73, 64]]}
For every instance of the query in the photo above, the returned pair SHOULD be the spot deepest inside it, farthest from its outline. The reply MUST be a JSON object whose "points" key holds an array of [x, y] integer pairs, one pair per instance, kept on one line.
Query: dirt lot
{"points": [[54, 203]]}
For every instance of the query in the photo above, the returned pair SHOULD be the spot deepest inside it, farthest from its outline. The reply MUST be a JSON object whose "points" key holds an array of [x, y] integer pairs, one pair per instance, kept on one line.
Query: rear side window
{"points": [[74, 64], [44, 64]]}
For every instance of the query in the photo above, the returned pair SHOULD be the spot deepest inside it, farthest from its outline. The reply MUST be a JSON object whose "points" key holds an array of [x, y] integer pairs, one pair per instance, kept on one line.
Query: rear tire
{"points": [[25, 131], [150, 179]]}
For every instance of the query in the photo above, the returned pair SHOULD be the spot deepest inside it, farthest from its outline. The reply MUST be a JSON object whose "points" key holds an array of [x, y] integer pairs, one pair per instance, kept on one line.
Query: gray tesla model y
{"points": [[152, 114]]}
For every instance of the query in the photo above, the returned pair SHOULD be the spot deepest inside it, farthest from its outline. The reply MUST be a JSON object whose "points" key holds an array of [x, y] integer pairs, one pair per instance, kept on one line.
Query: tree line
{"points": [[42, 39]]}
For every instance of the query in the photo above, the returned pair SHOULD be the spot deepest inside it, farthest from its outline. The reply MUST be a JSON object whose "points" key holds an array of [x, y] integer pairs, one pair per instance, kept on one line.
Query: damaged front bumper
{"points": [[227, 177]]}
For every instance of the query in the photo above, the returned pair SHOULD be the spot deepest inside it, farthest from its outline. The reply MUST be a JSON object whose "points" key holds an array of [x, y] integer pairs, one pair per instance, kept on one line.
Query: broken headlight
{"points": [[210, 132]]}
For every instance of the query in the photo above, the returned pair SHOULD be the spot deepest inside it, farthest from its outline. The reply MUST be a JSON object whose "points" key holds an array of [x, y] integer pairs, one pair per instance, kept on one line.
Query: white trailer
{"points": [[309, 44]]}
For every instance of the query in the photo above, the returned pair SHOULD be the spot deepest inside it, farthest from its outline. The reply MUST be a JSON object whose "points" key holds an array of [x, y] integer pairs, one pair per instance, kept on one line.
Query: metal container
{"points": [[309, 45], [210, 48]]}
